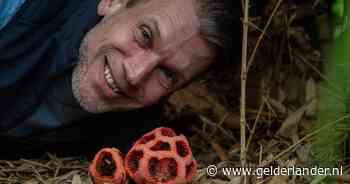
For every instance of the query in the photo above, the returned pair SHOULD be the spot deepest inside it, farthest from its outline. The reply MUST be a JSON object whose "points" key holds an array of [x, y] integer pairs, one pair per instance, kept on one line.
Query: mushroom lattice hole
{"points": [[107, 166], [145, 139], [161, 146], [167, 132], [182, 148], [133, 160], [162, 170]]}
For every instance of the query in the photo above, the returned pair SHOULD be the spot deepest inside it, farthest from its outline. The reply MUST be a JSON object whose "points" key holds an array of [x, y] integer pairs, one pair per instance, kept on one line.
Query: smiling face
{"points": [[137, 55]]}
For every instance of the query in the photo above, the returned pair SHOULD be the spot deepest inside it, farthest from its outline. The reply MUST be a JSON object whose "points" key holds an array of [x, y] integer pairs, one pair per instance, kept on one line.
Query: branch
{"points": [[243, 85]]}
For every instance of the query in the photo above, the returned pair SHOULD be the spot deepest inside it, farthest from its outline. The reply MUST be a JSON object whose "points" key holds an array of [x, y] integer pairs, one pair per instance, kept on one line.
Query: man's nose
{"points": [[139, 66]]}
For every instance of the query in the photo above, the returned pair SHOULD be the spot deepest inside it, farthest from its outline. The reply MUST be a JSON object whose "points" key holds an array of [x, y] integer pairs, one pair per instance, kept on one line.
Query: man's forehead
{"points": [[179, 13], [176, 20], [178, 26]]}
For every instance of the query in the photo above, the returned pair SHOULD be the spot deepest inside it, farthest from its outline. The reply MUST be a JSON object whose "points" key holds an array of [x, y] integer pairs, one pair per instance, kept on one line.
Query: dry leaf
{"points": [[310, 96], [303, 153], [279, 180], [278, 106], [76, 179], [198, 98], [289, 127], [292, 88]]}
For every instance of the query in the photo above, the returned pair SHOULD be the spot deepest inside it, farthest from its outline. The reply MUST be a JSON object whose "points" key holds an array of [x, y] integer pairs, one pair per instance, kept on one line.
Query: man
{"points": [[62, 62]]}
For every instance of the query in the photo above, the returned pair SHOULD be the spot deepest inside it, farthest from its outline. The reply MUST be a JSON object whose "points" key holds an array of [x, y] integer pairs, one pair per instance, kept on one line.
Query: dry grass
{"points": [[48, 170]]}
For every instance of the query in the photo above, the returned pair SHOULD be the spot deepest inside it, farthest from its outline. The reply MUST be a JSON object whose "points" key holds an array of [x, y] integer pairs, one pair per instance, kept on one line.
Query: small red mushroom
{"points": [[161, 157], [108, 167]]}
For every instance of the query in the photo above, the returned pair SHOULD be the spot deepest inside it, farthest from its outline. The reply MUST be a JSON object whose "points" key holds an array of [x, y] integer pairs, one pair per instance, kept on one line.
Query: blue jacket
{"points": [[39, 45], [8, 9]]}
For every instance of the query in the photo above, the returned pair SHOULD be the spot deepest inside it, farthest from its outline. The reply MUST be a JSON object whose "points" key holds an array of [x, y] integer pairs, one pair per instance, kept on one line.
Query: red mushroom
{"points": [[108, 167], [161, 157]]}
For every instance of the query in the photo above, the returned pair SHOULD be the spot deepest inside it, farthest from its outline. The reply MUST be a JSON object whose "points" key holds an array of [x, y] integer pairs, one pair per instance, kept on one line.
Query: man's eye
{"points": [[145, 36], [170, 75]]}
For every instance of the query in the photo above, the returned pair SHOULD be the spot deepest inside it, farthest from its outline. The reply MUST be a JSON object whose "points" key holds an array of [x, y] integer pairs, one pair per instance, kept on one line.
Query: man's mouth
{"points": [[110, 79]]}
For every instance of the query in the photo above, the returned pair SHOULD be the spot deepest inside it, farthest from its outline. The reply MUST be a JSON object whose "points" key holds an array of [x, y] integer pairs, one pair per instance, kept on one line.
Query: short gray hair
{"points": [[220, 26]]}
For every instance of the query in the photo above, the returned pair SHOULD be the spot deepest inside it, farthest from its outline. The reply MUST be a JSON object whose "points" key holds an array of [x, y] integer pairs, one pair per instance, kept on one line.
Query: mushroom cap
{"points": [[108, 167], [161, 157]]}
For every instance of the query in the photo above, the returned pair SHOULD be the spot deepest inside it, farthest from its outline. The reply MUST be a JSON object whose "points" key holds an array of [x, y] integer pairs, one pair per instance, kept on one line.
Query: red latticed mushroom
{"points": [[161, 157], [108, 167]]}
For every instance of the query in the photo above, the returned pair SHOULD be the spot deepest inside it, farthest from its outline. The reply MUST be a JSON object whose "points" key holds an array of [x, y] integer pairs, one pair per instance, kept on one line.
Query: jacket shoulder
{"points": [[47, 12]]}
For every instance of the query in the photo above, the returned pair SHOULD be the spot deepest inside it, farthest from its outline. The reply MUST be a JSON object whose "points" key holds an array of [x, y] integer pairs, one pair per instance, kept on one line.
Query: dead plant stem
{"points": [[243, 86], [255, 125], [252, 56]]}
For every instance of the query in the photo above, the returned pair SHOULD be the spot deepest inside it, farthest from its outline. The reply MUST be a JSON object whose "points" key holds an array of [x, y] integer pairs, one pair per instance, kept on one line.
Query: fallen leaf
{"points": [[292, 88], [289, 126], [278, 106], [202, 102], [76, 179], [303, 153], [279, 180], [310, 96]]}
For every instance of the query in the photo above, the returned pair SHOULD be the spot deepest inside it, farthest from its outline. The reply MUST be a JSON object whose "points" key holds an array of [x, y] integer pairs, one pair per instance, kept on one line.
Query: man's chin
{"points": [[94, 106], [91, 108], [84, 103]]}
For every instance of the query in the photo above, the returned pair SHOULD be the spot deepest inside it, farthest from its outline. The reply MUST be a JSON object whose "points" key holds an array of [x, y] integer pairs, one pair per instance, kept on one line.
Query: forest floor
{"points": [[281, 102]]}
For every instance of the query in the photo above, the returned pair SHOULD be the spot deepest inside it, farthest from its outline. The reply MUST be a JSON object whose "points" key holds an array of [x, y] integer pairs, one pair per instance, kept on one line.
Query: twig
{"points": [[57, 171], [61, 178], [316, 2], [9, 180], [270, 108], [207, 121], [220, 151], [260, 153], [251, 24], [38, 176], [244, 86], [263, 113], [252, 56], [219, 125], [33, 163], [255, 124]]}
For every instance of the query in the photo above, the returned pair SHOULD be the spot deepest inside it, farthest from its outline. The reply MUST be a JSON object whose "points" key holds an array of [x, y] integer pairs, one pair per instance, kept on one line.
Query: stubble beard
{"points": [[81, 89], [79, 73]]}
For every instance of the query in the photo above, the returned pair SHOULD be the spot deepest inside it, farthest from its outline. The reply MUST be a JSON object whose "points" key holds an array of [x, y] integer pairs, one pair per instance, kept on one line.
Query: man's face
{"points": [[135, 56]]}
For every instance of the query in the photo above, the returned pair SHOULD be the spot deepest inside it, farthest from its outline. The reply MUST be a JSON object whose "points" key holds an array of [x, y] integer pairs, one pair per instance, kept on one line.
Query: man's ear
{"points": [[108, 7]]}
